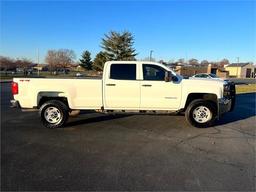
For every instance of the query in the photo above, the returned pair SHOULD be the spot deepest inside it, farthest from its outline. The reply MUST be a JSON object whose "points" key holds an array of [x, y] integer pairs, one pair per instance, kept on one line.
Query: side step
{"points": [[142, 112]]}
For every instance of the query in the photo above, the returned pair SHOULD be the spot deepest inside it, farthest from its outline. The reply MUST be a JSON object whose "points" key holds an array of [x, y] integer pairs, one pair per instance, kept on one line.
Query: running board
{"points": [[142, 112]]}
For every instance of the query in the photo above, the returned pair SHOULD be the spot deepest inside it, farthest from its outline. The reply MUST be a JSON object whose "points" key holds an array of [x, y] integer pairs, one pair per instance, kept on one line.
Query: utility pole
{"points": [[150, 55], [38, 61], [237, 67]]}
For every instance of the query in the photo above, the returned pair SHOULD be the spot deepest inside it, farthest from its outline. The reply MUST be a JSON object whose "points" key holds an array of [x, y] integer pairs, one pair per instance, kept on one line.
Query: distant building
{"points": [[188, 71], [41, 67], [241, 70], [217, 70]]}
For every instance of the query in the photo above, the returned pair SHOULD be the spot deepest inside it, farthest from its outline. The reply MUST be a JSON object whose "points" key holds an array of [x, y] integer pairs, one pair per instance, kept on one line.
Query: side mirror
{"points": [[174, 78], [169, 77]]}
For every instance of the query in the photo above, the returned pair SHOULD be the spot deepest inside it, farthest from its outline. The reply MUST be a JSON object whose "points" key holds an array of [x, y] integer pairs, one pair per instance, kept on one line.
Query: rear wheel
{"points": [[201, 113], [54, 114]]}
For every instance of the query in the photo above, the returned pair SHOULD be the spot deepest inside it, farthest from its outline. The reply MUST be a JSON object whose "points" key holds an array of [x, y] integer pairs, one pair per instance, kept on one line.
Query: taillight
{"points": [[15, 88]]}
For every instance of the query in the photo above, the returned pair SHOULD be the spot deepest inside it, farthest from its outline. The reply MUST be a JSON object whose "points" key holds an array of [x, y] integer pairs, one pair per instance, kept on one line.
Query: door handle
{"points": [[146, 85], [110, 84]]}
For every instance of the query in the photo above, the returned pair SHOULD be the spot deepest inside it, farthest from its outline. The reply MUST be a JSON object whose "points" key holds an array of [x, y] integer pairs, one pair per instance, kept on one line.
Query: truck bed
{"points": [[82, 93]]}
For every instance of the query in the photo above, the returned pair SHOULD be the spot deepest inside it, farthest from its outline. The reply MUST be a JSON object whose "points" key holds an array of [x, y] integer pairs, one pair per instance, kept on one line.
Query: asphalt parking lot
{"points": [[102, 152]]}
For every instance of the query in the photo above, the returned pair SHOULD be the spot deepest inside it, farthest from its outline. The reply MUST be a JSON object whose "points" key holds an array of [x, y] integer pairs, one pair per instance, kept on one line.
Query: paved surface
{"points": [[100, 152]]}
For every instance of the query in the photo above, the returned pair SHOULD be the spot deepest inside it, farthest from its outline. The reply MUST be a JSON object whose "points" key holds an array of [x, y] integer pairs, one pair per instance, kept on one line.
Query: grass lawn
{"points": [[245, 88]]}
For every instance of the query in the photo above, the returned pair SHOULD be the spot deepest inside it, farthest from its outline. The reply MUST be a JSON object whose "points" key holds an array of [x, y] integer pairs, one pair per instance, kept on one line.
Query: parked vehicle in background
{"points": [[126, 87], [207, 76], [79, 75]]}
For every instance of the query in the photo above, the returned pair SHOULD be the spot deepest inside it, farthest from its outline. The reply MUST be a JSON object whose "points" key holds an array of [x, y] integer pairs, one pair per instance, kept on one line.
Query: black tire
{"points": [[61, 110], [195, 105]]}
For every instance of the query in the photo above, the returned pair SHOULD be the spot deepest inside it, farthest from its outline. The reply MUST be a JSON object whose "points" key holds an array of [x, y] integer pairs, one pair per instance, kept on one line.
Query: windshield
{"points": [[213, 75]]}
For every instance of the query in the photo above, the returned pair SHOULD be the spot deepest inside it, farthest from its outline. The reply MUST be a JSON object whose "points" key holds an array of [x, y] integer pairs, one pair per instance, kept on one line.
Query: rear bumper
{"points": [[15, 104]]}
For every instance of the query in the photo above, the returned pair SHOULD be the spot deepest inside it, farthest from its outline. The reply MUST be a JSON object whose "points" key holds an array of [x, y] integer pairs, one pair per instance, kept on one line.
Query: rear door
{"points": [[121, 88]]}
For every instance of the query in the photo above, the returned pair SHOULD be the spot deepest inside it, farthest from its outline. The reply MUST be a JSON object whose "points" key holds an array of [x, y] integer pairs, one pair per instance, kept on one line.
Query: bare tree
{"points": [[51, 59], [23, 63], [7, 63], [193, 61], [60, 58], [204, 63], [180, 61], [65, 57], [223, 62]]}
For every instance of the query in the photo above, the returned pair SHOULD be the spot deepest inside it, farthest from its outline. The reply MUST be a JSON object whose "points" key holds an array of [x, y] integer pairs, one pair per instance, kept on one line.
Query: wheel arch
{"points": [[213, 98], [43, 97]]}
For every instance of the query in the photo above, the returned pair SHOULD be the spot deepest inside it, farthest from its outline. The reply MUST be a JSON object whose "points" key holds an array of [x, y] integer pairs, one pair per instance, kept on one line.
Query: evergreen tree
{"points": [[119, 46], [86, 62], [99, 61]]}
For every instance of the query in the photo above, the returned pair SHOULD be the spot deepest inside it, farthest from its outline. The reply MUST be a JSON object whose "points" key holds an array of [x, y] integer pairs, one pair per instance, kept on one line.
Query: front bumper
{"points": [[225, 105]]}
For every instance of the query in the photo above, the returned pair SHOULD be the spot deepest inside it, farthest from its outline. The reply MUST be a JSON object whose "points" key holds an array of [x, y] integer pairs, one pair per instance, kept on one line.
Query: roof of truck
{"points": [[126, 62]]}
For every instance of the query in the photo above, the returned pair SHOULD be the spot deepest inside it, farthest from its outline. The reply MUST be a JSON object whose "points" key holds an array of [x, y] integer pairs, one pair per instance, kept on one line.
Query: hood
{"points": [[204, 82]]}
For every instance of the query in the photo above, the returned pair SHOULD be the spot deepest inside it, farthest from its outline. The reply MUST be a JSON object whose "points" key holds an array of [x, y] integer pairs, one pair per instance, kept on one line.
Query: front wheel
{"points": [[201, 113], [54, 114]]}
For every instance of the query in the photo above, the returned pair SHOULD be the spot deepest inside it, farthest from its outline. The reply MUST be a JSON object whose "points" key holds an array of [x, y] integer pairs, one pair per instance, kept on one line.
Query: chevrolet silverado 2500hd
{"points": [[126, 86]]}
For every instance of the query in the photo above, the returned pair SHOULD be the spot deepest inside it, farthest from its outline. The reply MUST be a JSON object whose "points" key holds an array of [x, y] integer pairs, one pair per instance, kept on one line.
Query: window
{"points": [[213, 75], [201, 75], [123, 71], [153, 72], [204, 76]]}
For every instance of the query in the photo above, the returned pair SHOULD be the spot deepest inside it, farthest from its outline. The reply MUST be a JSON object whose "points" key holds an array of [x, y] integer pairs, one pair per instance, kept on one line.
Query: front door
{"points": [[121, 89], [156, 94]]}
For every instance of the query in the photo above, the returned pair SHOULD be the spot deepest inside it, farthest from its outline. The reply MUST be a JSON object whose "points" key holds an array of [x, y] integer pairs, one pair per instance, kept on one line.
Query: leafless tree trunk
{"points": [[59, 58]]}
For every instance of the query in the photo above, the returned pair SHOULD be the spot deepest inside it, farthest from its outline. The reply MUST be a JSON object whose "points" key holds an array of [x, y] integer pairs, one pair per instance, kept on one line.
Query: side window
{"points": [[123, 71], [153, 72], [204, 76]]}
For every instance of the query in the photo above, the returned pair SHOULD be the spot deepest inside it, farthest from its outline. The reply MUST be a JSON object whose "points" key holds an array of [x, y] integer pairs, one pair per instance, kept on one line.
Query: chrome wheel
{"points": [[202, 114], [52, 115]]}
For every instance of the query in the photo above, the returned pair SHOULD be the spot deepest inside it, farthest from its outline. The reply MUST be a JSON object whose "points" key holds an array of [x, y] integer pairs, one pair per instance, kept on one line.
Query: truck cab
{"points": [[140, 85]]}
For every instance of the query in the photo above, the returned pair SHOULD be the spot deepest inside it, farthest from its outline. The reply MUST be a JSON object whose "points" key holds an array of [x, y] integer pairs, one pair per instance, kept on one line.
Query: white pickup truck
{"points": [[126, 87]]}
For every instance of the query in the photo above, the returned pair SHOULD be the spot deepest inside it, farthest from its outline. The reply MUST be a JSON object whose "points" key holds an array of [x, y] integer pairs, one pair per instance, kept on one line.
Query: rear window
{"points": [[123, 71]]}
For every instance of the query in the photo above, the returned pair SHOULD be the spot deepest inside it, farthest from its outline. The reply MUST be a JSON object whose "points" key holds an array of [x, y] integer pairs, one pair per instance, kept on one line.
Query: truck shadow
{"points": [[98, 118], [244, 108]]}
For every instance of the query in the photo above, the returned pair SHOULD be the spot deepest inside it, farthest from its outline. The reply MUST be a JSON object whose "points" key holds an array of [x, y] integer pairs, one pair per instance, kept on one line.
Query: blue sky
{"points": [[210, 30]]}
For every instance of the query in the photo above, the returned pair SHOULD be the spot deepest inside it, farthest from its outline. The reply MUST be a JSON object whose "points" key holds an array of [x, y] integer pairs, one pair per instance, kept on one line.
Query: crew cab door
{"points": [[121, 88], [156, 94]]}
